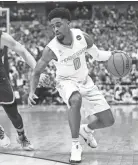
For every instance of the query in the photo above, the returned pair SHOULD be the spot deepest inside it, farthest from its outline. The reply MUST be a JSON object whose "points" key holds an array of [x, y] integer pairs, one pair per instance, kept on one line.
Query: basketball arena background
{"points": [[112, 25]]}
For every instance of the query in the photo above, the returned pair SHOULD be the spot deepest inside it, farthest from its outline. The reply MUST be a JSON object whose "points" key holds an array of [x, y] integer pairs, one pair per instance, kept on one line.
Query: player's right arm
{"points": [[47, 56], [99, 55]]}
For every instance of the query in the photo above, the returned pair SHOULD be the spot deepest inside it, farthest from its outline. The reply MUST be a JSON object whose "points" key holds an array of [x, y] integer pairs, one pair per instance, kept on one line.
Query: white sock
{"points": [[75, 141]]}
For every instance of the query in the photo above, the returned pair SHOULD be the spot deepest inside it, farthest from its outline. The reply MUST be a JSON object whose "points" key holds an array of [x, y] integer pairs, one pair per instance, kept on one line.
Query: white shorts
{"points": [[92, 99]]}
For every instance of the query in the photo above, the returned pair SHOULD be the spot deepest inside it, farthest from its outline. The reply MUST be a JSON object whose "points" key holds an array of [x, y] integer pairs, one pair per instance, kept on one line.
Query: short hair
{"points": [[59, 13]]}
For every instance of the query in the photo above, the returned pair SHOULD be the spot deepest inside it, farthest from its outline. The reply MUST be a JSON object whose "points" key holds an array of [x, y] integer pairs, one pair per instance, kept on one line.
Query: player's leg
{"points": [[71, 96], [100, 116], [16, 119], [4, 140], [74, 116], [74, 119], [6, 95], [103, 119], [99, 120], [9, 104]]}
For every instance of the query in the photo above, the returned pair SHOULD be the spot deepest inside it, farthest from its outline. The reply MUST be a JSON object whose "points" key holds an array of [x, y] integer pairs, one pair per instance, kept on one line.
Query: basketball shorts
{"points": [[6, 91], [92, 100]]}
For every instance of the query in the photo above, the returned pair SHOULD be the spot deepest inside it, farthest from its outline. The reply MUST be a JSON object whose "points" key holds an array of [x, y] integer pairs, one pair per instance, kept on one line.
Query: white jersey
{"points": [[71, 63]]}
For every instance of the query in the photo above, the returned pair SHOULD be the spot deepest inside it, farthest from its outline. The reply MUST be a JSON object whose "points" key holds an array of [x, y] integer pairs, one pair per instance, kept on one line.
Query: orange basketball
{"points": [[119, 64]]}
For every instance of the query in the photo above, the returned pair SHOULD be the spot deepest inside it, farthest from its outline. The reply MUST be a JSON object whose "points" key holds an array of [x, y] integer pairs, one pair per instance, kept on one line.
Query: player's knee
{"points": [[109, 119], [11, 110], [75, 99], [110, 122]]}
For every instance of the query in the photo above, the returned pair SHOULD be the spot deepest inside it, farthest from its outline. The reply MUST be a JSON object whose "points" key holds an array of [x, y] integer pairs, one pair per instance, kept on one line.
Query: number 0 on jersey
{"points": [[77, 63]]}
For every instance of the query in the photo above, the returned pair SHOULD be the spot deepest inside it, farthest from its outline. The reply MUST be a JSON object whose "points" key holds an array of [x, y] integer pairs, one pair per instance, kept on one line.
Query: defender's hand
{"points": [[31, 98]]}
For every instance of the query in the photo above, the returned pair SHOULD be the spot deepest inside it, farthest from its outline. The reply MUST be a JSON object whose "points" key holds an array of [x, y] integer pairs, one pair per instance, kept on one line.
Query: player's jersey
{"points": [[6, 91], [71, 63]]}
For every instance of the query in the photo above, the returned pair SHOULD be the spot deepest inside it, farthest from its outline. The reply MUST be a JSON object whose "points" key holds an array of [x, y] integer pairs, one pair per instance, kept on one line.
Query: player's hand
{"points": [[31, 99]]}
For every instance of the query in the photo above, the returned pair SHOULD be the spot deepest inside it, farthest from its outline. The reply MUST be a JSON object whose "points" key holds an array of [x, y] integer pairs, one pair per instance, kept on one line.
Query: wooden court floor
{"points": [[47, 128]]}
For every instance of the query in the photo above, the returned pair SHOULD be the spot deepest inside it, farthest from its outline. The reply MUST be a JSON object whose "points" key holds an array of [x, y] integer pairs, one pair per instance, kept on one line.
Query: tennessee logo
{"points": [[78, 37]]}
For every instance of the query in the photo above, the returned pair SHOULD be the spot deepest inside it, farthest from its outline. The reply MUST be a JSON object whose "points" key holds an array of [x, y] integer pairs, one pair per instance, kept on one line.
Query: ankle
{"points": [[21, 133], [75, 141], [87, 128]]}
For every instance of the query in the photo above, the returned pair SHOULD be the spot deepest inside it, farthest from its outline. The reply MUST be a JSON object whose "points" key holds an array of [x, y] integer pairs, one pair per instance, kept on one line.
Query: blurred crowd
{"points": [[22, 14], [110, 29]]}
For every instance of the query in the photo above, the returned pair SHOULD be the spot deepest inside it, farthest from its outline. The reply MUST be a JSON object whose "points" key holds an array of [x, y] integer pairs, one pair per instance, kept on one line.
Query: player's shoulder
{"points": [[47, 49], [87, 37], [49, 52], [52, 43], [52, 40], [8, 40], [78, 34], [6, 36], [76, 31]]}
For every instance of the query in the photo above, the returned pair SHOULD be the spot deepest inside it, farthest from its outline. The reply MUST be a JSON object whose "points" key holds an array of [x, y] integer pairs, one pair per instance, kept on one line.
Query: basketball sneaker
{"points": [[88, 136], [76, 153], [4, 140], [25, 143]]}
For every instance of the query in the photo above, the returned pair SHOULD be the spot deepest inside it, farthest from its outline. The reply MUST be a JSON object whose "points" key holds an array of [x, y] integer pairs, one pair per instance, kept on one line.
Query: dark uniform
{"points": [[7, 99], [6, 92]]}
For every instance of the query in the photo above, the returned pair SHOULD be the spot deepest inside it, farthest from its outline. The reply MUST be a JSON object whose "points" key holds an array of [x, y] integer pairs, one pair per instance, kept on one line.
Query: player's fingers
{"points": [[29, 103], [31, 100], [35, 96]]}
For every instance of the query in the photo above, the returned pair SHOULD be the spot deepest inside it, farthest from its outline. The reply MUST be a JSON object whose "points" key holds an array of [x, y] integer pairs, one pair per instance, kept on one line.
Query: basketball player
{"points": [[7, 99], [67, 49]]}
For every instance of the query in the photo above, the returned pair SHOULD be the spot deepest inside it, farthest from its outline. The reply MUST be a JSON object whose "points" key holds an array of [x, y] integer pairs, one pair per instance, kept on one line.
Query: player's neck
{"points": [[68, 39]]}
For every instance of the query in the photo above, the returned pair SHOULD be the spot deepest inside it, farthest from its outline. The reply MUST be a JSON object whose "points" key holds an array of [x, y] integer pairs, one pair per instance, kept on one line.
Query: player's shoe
{"points": [[25, 143], [4, 140], [88, 136], [76, 153]]}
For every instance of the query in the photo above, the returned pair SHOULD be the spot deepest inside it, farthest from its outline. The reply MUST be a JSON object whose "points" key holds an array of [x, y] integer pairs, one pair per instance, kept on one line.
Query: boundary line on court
{"points": [[34, 157]]}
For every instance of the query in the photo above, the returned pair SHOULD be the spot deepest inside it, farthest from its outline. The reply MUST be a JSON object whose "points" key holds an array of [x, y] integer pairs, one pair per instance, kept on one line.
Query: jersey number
{"points": [[77, 63]]}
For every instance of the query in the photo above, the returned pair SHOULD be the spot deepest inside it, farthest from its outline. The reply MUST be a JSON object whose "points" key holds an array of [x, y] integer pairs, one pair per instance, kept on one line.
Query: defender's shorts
{"points": [[92, 99]]}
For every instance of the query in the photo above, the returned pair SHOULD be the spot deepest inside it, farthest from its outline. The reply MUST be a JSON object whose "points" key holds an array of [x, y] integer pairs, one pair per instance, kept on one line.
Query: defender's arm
{"points": [[8, 41]]}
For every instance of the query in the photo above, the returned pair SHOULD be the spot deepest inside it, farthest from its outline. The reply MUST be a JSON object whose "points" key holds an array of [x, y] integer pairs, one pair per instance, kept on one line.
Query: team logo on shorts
{"points": [[78, 37]]}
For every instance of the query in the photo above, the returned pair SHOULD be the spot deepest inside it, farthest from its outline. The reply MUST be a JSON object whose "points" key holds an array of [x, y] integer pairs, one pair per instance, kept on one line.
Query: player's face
{"points": [[60, 27]]}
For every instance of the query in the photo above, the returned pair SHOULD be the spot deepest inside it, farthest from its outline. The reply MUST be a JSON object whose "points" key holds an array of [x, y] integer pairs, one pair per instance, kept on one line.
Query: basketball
{"points": [[119, 64]]}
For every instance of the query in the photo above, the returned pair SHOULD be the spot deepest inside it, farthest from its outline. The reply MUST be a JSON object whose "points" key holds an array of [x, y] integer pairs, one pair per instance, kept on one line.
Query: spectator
{"points": [[131, 12]]}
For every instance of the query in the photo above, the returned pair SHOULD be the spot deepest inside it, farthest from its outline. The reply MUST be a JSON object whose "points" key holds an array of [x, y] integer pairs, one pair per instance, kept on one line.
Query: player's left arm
{"points": [[99, 55], [11, 43]]}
